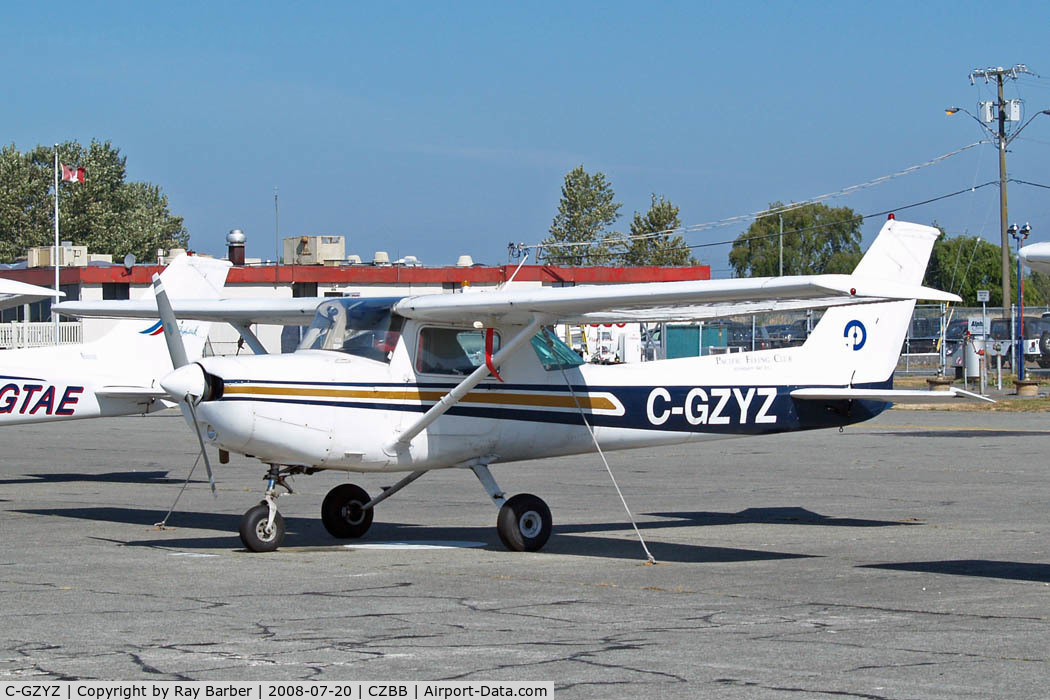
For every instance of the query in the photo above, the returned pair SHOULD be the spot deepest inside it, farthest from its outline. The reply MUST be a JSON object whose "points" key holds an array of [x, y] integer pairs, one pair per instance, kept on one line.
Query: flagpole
{"points": [[54, 316]]}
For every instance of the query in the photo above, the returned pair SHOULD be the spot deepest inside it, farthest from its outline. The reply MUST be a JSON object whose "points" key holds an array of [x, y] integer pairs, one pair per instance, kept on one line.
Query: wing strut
{"points": [[453, 397]]}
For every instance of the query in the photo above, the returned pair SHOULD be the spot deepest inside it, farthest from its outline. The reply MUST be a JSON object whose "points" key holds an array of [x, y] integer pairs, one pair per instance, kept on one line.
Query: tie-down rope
{"points": [[594, 438]]}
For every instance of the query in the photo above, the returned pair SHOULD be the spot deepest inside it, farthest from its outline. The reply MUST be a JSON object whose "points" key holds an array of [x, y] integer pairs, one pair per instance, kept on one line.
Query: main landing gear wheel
{"points": [[255, 534], [342, 513], [524, 523]]}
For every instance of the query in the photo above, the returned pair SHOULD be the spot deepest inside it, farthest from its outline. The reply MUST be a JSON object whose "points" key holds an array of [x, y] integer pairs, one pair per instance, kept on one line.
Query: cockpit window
{"points": [[363, 327], [452, 350], [553, 353]]}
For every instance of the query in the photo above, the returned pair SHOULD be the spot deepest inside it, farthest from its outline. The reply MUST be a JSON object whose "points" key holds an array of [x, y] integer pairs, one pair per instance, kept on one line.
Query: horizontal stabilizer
{"points": [[890, 395], [131, 392]]}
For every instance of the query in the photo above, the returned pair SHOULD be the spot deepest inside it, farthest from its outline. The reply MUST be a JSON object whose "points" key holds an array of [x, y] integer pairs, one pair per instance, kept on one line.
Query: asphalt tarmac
{"points": [[907, 557]]}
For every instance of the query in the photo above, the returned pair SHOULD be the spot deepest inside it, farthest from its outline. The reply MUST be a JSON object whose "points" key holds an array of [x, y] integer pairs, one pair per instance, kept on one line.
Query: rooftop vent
{"points": [[464, 261]]}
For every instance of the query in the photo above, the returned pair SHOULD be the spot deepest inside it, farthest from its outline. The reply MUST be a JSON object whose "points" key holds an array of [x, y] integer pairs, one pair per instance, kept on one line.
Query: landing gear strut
{"points": [[262, 527], [524, 521]]}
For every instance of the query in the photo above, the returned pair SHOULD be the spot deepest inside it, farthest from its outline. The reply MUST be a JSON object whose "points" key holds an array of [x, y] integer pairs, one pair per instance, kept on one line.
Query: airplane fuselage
{"points": [[335, 411], [60, 383]]}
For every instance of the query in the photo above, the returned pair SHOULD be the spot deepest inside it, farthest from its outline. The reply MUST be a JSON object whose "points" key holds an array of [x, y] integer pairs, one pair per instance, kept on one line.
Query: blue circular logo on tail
{"points": [[856, 332]]}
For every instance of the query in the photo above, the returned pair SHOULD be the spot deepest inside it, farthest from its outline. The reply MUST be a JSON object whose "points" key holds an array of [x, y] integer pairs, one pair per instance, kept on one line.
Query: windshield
{"points": [[363, 327], [553, 353]]}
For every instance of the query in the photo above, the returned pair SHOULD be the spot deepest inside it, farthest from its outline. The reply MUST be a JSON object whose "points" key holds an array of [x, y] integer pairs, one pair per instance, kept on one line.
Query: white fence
{"points": [[34, 335]]}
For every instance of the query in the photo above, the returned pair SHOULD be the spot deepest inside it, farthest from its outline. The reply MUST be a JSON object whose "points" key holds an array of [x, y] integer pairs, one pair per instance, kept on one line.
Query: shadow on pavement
{"points": [[308, 532], [985, 568], [155, 477]]}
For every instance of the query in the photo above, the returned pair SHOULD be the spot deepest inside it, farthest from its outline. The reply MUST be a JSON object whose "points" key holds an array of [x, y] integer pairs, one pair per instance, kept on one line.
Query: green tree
{"points": [[105, 213], [1037, 288], [818, 239], [963, 264], [585, 213], [657, 246]]}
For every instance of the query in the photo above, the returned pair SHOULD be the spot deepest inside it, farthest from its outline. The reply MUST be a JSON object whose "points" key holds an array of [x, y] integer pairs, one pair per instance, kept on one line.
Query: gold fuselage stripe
{"points": [[539, 400]]}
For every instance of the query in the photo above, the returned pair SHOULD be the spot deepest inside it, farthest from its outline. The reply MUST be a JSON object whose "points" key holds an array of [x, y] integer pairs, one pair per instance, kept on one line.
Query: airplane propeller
{"points": [[186, 383]]}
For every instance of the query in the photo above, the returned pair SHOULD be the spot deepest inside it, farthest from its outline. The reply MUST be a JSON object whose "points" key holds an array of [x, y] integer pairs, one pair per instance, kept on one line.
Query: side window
{"points": [[451, 350]]}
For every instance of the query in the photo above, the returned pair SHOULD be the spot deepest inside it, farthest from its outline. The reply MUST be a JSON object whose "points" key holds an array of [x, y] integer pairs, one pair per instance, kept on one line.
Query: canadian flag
{"points": [[72, 174]]}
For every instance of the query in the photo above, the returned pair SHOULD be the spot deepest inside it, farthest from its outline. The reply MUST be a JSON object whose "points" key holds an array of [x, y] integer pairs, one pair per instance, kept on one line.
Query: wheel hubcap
{"points": [[353, 513], [530, 523], [265, 533]]}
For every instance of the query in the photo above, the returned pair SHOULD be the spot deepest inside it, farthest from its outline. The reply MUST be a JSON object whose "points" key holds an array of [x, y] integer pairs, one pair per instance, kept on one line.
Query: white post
{"points": [[53, 314]]}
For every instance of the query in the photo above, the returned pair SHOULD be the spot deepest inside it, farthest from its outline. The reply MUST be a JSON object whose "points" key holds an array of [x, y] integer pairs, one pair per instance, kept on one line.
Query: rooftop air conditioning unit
{"points": [[313, 250]]}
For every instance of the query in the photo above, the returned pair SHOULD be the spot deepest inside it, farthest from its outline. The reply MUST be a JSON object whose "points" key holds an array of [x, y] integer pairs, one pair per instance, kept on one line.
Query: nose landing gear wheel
{"points": [[342, 514], [254, 533], [524, 523]]}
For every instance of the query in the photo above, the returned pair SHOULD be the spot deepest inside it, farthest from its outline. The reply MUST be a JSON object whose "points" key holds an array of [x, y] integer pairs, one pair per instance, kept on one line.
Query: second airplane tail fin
{"points": [[140, 343]]}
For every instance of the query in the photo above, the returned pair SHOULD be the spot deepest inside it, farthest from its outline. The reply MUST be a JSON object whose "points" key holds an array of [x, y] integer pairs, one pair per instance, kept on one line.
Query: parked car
{"points": [[786, 335], [955, 333], [1036, 341], [923, 335]]}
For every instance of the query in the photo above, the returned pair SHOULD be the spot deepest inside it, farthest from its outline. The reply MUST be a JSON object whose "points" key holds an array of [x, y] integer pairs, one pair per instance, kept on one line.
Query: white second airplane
{"points": [[470, 380], [115, 375]]}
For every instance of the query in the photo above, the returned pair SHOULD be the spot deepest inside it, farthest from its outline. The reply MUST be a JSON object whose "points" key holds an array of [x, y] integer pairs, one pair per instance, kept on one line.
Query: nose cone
{"points": [[188, 379]]}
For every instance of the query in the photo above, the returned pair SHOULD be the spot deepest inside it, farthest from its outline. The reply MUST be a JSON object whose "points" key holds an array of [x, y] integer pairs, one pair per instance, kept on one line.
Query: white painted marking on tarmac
{"points": [[421, 544], [194, 555]]}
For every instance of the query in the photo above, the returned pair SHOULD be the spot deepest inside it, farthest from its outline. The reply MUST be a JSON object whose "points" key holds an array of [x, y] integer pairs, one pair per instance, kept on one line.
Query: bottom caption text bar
{"points": [[290, 690]]}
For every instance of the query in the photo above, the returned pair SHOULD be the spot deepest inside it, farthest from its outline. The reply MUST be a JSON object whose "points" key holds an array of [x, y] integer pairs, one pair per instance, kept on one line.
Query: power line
{"points": [[518, 248], [850, 221], [1033, 184]]}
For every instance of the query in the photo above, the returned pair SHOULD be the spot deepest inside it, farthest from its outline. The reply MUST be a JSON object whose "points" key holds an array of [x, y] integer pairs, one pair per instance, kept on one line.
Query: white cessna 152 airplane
{"points": [[469, 380], [115, 375]]}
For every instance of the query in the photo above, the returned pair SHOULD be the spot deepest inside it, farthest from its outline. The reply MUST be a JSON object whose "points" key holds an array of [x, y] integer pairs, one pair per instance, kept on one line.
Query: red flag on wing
{"points": [[70, 174]]}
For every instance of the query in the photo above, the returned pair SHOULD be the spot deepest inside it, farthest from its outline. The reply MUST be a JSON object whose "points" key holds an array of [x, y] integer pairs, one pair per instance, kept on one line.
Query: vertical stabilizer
{"points": [[139, 344], [861, 344]]}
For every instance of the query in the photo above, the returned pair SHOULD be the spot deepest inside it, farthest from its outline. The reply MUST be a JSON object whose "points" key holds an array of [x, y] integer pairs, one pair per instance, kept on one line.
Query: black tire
{"points": [[253, 530], [1044, 344], [341, 512], [524, 523], [1044, 362]]}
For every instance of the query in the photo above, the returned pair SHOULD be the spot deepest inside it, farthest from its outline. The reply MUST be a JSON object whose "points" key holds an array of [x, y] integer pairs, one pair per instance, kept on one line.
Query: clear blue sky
{"points": [[437, 129]]}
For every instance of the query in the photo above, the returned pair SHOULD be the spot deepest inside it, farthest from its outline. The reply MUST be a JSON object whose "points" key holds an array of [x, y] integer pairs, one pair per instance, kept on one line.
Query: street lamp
{"points": [[1019, 236], [1002, 141]]}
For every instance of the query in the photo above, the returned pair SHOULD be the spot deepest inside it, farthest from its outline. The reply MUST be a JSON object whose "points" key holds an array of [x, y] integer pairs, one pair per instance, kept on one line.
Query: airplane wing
{"points": [[238, 312], [662, 301], [14, 293], [646, 301]]}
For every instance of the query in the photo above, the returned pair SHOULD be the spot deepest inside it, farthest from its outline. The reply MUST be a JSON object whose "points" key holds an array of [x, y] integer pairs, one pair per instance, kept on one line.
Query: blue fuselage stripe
{"points": [[713, 409]]}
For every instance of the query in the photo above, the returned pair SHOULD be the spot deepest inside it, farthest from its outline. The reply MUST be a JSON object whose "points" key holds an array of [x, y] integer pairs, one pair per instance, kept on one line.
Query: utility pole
{"points": [[999, 74]]}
